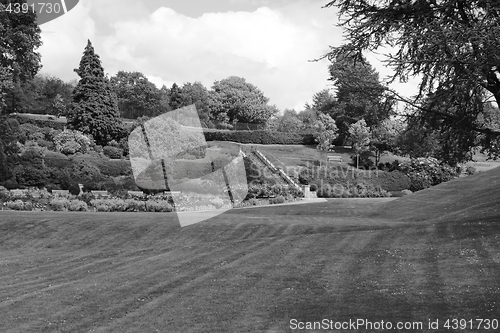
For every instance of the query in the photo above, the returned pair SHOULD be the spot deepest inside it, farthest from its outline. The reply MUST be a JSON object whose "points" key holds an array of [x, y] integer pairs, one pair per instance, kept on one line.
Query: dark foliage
{"points": [[95, 106], [261, 137]]}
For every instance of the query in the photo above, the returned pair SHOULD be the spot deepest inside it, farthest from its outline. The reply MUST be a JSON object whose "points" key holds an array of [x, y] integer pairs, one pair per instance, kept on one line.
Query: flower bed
{"points": [[44, 200]]}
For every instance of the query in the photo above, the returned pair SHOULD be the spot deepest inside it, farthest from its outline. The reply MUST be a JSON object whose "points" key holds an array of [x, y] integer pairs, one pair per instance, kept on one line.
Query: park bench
{"points": [[100, 194], [335, 159], [60, 193]]}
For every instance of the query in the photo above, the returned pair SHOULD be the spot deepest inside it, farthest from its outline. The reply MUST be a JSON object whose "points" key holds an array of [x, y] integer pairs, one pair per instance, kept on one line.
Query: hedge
{"points": [[261, 137], [39, 122]]}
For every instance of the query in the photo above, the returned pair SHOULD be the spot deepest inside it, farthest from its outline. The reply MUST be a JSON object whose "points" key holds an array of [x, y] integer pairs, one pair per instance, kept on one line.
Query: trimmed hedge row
{"points": [[39, 122], [261, 137]]}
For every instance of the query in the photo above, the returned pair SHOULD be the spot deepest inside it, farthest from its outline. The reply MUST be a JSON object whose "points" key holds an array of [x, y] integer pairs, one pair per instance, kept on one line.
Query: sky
{"points": [[270, 43]]}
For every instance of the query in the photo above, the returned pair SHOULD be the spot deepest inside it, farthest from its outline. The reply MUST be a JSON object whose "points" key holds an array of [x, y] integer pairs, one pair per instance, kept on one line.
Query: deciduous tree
{"points": [[137, 96], [235, 100], [360, 95], [359, 136], [452, 46]]}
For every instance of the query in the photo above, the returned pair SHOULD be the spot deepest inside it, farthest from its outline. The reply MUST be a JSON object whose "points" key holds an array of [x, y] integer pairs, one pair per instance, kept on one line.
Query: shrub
{"points": [[135, 205], [31, 175], [72, 141], [85, 171], [59, 204], [32, 151], [470, 170], [68, 183], [15, 205], [46, 144], [252, 202], [87, 197], [78, 206], [427, 172], [278, 200], [217, 202], [109, 205], [113, 152], [32, 132], [406, 192], [158, 206]]}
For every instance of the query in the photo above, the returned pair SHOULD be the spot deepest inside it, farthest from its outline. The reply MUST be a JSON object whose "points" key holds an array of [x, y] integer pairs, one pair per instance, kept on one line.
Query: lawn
{"points": [[432, 255]]}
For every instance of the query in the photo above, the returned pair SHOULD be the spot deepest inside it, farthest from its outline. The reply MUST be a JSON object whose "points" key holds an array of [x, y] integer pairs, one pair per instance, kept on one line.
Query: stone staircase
{"points": [[280, 175]]}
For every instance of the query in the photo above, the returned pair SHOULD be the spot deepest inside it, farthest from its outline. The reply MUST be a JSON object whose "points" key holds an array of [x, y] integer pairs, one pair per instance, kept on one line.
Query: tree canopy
{"points": [[235, 100], [19, 38], [360, 94], [451, 45], [137, 96]]}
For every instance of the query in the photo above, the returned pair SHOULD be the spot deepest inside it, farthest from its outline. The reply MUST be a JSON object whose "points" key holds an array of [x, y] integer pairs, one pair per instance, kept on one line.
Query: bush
{"points": [[135, 205], [72, 142], [68, 183], [85, 171], [113, 152], [278, 200], [109, 205], [217, 202], [427, 172], [15, 205], [31, 175], [38, 122], [59, 204], [87, 197], [158, 206], [470, 170], [78, 206], [31, 132], [406, 192]]}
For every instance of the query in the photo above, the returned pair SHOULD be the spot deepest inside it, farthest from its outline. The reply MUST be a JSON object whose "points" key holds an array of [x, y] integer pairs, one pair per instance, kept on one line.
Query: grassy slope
{"points": [[251, 270]]}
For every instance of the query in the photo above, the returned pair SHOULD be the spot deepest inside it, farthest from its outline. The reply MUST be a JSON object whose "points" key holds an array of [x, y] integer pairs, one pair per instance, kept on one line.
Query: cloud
{"points": [[64, 40], [271, 47]]}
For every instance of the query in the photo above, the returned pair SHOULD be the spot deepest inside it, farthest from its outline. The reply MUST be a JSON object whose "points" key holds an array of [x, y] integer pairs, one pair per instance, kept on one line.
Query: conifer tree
{"points": [[94, 109]]}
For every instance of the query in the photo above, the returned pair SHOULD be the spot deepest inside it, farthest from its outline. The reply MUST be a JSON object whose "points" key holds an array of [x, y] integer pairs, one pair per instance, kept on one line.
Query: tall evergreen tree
{"points": [[95, 106], [19, 38]]}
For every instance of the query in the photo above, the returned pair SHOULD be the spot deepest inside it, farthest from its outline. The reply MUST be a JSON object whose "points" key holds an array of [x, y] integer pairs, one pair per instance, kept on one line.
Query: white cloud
{"points": [[64, 40], [270, 47]]}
